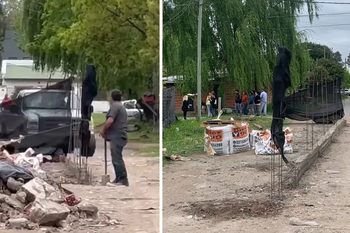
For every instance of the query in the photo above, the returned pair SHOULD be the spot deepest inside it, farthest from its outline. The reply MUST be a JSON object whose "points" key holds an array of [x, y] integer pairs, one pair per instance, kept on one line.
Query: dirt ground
{"points": [[135, 207], [232, 193]]}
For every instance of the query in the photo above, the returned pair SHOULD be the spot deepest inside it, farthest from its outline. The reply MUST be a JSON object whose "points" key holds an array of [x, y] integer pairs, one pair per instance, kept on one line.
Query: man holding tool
{"points": [[114, 131]]}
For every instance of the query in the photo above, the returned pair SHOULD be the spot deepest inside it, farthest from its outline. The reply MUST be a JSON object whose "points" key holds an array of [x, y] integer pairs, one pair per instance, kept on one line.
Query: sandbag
{"points": [[240, 138], [221, 139], [230, 139], [265, 146]]}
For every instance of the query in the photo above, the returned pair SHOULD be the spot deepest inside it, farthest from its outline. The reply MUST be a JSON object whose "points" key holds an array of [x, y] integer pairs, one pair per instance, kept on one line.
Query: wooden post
{"points": [[219, 105]]}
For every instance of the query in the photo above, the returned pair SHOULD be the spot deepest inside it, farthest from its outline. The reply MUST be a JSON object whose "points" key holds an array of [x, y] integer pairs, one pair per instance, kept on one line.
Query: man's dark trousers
{"points": [[117, 159]]}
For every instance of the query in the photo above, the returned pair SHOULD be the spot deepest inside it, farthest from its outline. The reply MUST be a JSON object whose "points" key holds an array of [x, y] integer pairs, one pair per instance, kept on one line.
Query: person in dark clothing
{"points": [[212, 103], [257, 103], [185, 106], [251, 102], [114, 131], [238, 102]]}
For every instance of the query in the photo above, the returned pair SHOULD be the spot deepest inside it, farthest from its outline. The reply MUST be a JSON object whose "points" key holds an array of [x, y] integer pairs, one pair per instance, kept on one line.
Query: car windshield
{"points": [[46, 100]]}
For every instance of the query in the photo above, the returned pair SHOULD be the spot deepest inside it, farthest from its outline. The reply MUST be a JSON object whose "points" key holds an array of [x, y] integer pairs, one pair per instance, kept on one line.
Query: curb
{"points": [[292, 178]]}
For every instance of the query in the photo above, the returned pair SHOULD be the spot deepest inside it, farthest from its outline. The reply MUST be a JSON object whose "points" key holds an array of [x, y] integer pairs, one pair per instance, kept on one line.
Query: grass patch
{"points": [[186, 137], [152, 151], [99, 118], [145, 134]]}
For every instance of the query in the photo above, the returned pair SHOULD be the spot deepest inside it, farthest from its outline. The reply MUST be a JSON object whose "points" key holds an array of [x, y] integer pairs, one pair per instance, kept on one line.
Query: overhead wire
{"points": [[177, 16]]}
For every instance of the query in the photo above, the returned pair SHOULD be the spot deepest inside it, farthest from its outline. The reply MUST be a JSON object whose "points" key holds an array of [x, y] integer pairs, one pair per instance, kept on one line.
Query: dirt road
{"points": [[231, 194], [136, 207]]}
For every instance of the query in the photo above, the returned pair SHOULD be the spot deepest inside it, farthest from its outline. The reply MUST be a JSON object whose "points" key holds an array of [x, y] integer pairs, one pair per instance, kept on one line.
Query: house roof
{"points": [[23, 69]]}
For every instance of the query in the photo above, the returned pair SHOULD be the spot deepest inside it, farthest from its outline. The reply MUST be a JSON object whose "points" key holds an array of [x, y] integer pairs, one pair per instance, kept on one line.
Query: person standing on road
{"points": [[185, 106], [238, 102], [257, 103], [263, 97], [115, 132], [245, 103], [212, 103], [251, 103], [207, 103]]}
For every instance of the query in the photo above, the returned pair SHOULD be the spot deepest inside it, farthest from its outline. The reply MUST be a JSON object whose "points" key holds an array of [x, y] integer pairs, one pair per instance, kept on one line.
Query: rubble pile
{"points": [[37, 203], [29, 200]]}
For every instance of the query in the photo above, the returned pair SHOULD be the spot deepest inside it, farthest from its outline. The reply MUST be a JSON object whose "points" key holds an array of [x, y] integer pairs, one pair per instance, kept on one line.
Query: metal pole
{"points": [[199, 61]]}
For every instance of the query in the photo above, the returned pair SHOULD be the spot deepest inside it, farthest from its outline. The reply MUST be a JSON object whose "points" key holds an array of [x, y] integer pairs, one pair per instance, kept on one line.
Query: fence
{"points": [[169, 115], [313, 111]]}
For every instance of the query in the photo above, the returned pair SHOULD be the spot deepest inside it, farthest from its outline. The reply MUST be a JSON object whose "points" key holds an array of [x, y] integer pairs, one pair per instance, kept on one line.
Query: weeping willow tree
{"points": [[120, 37], [239, 41]]}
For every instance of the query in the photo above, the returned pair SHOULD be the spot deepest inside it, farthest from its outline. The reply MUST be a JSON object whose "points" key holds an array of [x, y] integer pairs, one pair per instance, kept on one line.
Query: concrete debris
{"points": [[38, 188], [89, 210], [3, 218], [18, 223], [14, 185], [30, 203], [47, 212], [14, 203], [21, 197], [297, 222]]}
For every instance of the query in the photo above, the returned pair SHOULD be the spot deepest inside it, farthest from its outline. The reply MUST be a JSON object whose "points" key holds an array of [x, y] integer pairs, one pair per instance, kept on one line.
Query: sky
{"points": [[336, 36]]}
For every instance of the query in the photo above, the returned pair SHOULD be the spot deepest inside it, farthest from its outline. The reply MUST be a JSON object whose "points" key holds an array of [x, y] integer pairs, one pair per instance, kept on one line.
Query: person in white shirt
{"points": [[263, 101]]}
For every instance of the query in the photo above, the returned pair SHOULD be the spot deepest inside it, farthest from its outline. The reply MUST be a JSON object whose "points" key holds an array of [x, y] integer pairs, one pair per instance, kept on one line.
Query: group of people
{"points": [[256, 102]]}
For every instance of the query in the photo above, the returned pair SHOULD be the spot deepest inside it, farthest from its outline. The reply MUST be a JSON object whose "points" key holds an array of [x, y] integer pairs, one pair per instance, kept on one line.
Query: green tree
{"points": [[318, 51], [346, 79], [239, 41], [335, 69], [318, 74], [121, 40]]}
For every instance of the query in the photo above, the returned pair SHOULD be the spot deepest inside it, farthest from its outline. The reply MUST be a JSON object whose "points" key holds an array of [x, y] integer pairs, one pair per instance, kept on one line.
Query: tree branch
{"points": [[128, 20]]}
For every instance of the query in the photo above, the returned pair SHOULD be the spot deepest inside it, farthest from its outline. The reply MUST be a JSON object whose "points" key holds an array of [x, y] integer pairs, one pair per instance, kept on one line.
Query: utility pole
{"points": [[324, 52], [199, 61]]}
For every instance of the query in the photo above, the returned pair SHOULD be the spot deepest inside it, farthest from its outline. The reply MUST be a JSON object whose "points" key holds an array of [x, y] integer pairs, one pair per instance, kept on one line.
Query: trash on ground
{"points": [[173, 157], [332, 171], [209, 148]]}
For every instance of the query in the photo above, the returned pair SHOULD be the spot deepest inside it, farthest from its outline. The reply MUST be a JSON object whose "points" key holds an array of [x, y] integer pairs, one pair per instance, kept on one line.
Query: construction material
{"points": [[105, 178], [228, 139]]}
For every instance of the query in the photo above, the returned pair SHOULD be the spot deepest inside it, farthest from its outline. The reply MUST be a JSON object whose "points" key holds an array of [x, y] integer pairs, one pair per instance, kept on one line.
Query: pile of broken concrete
{"points": [[38, 203]]}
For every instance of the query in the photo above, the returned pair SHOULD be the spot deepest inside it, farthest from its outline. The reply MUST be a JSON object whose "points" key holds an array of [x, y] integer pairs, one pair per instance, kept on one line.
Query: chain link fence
{"points": [[169, 115]]}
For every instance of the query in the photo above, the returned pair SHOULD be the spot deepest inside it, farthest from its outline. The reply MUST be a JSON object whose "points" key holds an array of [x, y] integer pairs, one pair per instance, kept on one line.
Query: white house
{"points": [[21, 73]]}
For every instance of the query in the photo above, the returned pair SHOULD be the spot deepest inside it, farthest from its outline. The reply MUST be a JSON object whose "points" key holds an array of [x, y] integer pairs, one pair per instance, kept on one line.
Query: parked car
{"points": [[345, 92]]}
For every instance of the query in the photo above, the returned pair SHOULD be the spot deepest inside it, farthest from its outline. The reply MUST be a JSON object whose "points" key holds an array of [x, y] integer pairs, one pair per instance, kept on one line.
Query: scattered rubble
{"points": [[297, 222], [173, 157], [29, 200]]}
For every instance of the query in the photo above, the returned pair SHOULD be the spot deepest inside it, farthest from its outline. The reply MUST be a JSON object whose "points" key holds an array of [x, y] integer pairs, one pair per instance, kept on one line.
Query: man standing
{"points": [[114, 131], [212, 103], [263, 100], [238, 103]]}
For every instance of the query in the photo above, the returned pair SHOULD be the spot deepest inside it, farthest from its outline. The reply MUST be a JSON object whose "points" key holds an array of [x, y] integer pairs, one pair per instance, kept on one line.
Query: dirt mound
{"points": [[223, 210]]}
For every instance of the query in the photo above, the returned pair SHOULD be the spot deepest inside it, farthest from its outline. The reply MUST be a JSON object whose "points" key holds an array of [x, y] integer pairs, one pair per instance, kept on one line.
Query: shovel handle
{"points": [[105, 148]]}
